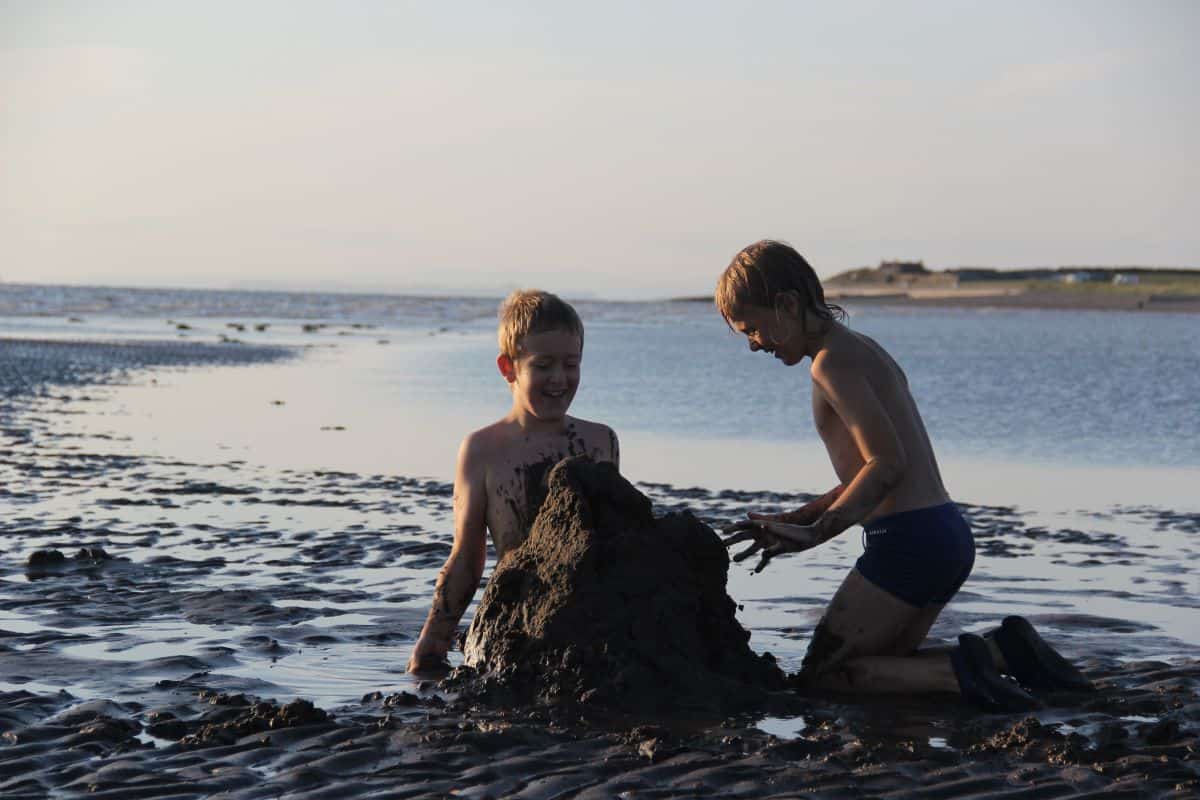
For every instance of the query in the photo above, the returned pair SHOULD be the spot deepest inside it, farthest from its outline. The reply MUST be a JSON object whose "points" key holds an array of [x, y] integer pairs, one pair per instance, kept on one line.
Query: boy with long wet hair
{"points": [[918, 547]]}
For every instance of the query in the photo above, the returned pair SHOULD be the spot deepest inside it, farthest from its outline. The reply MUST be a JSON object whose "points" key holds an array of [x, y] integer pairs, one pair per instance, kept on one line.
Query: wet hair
{"points": [[763, 271], [527, 311]]}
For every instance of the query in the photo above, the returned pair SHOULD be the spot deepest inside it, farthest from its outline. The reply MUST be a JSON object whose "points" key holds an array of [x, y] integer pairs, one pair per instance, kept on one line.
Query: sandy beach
{"points": [[181, 628]]}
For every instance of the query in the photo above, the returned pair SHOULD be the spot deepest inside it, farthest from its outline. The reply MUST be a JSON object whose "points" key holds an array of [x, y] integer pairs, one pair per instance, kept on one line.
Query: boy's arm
{"points": [[864, 416], [811, 511], [806, 514], [884, 460], [460, 576]]}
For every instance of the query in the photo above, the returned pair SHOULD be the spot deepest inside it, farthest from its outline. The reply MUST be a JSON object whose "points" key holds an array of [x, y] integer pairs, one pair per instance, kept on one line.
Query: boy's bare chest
{"points": [[825, 419], [517, 487]]}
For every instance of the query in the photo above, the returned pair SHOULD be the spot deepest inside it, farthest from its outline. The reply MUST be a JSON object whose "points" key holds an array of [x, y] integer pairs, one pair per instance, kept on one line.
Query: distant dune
{"points": [[1128, 288]]}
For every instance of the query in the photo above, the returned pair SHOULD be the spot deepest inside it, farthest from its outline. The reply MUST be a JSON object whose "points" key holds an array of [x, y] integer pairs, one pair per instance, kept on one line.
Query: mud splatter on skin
{"points": [[824, 652], [448, 607], [533, 481], [526, 494]]}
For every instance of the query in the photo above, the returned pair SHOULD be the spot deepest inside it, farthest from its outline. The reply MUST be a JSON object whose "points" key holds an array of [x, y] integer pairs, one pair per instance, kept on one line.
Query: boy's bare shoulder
{"points": [[835, 362], [592, 431], [850, 352], [855, 357], [487, 441], [600, 439]]}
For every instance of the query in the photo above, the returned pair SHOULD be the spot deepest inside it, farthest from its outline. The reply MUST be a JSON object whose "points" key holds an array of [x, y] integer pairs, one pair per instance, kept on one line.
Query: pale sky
{"points": [[619, 149]]}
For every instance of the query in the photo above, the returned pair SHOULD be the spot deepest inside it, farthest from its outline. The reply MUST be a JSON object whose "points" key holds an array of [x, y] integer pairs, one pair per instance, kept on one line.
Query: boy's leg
{"points": [[911, 637], [856, 644], [853, 651], [923, 673]]}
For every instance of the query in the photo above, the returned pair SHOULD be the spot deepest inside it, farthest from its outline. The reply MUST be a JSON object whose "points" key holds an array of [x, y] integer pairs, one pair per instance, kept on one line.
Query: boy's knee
{"points": [[827, 651], [846, 675]]}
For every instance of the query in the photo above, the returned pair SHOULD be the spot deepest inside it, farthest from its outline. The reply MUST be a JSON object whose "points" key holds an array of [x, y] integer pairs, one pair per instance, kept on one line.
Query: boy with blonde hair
{"points": [[499, 480]]}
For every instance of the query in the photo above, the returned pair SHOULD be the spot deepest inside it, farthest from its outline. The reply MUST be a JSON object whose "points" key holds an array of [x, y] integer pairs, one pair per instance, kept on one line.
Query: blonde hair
{"points": [[527, 311], [761, 272]]}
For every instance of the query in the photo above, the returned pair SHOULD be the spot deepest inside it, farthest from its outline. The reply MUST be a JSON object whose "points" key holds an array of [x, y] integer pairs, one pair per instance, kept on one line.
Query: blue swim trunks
{"points": [[920, 556]]}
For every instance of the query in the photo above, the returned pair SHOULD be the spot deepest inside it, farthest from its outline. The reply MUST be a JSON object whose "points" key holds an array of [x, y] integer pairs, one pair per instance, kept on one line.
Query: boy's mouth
{"points": [[556, 394]]}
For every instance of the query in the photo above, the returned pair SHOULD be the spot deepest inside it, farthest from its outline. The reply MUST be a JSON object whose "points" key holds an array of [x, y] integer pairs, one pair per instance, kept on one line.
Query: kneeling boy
{"points": [[498, 484]]}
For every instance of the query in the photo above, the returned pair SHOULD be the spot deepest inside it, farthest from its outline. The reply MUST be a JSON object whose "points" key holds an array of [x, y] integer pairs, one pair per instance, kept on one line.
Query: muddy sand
{"points": [[179, 629]]}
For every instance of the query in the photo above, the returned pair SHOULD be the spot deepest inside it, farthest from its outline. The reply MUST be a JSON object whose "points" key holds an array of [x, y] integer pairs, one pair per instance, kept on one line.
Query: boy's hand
{"points": [[772, 536], [428, 660], [806, 514]]}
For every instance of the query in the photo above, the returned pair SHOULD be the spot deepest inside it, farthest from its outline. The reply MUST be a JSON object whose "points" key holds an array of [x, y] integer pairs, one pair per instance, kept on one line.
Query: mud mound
{"points": [[605, 604], [243, 717]]}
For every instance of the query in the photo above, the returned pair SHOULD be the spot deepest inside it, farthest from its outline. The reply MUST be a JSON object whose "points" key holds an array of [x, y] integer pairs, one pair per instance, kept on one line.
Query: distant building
{"points": [[1125, 279], [1082, 277]]}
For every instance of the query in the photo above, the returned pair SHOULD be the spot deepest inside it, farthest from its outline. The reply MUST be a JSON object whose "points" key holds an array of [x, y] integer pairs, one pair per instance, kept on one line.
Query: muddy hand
{"points": [[428, 657], [751, 523], [429, 666], [771, 538]]}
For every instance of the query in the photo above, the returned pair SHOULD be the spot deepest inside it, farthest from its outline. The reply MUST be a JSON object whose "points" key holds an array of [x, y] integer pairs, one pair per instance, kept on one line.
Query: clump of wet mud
{"points": [[245, 717], [42, 563], [606, 605]]}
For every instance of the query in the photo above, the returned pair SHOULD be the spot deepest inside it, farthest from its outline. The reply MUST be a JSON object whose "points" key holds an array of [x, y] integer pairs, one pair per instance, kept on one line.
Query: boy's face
{"points": [[545, 376], [774, 333]]}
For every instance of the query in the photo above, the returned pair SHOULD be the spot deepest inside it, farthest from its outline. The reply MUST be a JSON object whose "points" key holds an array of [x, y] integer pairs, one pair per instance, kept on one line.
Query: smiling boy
{"points": [[499, 480], [918, 546]]}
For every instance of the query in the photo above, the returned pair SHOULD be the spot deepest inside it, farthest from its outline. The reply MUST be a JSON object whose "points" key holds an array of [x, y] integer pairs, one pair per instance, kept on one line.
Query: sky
{"points": [[615, 149]]}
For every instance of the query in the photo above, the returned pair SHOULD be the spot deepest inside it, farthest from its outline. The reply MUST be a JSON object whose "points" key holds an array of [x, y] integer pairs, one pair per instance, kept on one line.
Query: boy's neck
{"points": [[818, 338], [528, 423]]}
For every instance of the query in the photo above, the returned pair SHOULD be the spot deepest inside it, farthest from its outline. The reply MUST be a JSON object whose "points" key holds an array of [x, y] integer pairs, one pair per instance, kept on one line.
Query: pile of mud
{"points": [[606, 605]]}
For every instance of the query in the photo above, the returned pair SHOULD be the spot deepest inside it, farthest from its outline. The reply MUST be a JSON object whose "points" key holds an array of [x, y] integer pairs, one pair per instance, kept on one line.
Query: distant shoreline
{"points": [[1066, 299], [1060, 299]]}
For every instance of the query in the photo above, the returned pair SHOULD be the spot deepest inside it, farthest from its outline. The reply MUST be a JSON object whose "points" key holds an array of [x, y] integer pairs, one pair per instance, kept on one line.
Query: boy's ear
{"points": [[507, 368]]}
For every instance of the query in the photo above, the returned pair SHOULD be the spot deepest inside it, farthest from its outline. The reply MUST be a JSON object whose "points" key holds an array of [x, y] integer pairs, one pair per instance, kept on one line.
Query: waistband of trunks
{"points": [[907, 518]]}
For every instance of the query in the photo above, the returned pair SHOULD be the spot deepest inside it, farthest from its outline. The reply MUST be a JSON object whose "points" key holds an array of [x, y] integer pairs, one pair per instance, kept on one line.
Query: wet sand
{"points": [[222, 627]]}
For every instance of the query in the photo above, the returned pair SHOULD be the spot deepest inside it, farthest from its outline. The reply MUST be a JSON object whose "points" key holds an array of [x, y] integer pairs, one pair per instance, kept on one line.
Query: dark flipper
{"points": [[981, 684], [1033, 662]]}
